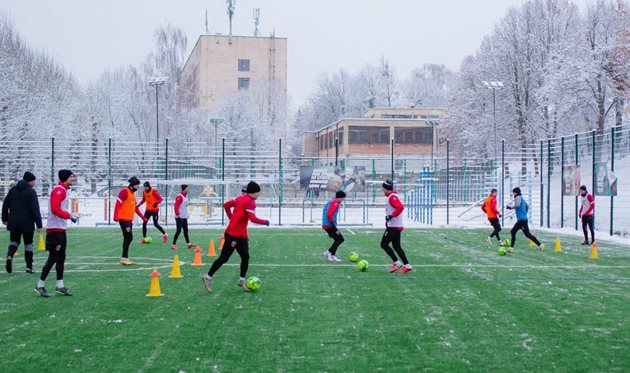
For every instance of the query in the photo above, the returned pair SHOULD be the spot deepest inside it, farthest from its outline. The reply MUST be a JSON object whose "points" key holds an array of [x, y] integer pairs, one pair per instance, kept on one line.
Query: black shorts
{"points": [[17, 234], [333, 232], [150, 214], [56, 241]]}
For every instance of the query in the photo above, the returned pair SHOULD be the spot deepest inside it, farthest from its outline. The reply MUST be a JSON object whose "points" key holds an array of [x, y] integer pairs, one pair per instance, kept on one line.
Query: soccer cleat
{"points": [[165, 238], [63, 291], [395, 267], [334, 259], [243, 285], [510, 250], [542, 248], [42, 291], [126, 262], [29, 271], [489, 240], [174, 247], [327, 255], [207, 283], [9, 264], [191, 245], [584, 243], [406, 268]]}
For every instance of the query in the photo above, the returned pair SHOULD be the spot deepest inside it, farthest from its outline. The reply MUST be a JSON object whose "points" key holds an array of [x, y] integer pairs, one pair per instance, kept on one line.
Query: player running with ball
{"points": [[240, 211]]}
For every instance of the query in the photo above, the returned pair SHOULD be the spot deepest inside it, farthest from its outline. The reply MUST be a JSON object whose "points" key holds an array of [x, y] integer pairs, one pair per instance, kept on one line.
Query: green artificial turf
{"points": [[462, 308]]}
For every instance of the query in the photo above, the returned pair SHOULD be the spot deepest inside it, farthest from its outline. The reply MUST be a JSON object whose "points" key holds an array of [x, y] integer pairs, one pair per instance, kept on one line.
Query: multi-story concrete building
{"points": [[220, 66]]}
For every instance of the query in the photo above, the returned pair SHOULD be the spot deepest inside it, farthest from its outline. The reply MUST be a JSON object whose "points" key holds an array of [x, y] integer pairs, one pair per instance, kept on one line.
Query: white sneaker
{"points": [[334, 259], [327, 255]]}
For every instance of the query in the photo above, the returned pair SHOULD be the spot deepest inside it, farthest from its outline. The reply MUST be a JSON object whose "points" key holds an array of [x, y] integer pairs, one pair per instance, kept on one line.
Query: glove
{"points": [[388, 218], [155, 205], [499, 215], [73, 219], [508, 207], [580, 216], [267, 222]]}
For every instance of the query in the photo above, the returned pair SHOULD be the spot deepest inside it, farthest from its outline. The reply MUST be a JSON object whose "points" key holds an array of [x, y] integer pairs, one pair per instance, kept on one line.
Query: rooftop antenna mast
{"points": [[256, 21], [207, 30], [230, 10]]}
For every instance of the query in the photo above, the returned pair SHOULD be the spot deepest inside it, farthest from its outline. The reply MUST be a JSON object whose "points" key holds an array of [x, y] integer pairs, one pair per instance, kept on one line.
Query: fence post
{"points": [[281, 179], [52, 163], [562, 183], [336, 150], [222, 180], [542, 185], [577, 157], [392, 157], [612, 168], [405, 180], [166, 178], [109, 181], [502, 180], [448, 179], [548, 183], [374, 180]]}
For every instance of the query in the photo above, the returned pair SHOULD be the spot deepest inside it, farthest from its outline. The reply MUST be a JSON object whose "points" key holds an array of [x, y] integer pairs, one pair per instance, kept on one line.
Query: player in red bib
{"points": [[240, 211]]}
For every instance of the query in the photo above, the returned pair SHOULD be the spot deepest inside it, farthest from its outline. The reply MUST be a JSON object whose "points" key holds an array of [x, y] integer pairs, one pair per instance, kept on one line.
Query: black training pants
{"points": [[393, 235], [56, 246], [241, 245], [522, 224]]}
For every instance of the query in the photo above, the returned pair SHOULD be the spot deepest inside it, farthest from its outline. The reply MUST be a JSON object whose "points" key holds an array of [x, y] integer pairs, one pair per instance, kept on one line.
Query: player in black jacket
{"points": [[20, 213]]}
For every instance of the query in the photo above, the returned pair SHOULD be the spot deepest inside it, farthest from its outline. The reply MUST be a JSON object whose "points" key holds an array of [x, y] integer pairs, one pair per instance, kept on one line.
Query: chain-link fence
{"points": [[440, 189]]}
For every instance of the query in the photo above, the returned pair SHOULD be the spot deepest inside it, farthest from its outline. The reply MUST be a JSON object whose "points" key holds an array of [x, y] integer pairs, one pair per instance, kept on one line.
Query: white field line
{"points": [[351, 232]]}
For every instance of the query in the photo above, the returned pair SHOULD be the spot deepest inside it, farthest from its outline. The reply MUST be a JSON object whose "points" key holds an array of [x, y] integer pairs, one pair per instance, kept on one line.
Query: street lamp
{"points": [[215, 121], [157, 82], [494, 86]]}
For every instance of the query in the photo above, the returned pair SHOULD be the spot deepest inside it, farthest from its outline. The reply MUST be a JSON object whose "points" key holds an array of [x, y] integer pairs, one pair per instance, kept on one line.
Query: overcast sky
{"points": [[89, 36]]}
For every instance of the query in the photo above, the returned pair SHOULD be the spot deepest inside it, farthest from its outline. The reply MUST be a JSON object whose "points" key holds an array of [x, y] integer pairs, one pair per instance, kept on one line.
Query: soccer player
{"points": [[586, 213], [490, 208], [56, 240], [329, 224], [153, 199], [20, 213], [181, 218], [521, 208], [240, 211], [393, 228], [124, 213]]}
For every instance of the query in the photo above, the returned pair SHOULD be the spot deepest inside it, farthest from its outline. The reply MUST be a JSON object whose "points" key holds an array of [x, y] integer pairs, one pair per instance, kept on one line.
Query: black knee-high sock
{"points": [[11, 251], [28, 256]]}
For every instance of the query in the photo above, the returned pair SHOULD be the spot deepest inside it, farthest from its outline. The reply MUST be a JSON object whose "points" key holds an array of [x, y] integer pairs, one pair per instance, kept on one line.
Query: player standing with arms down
{"points": [[587, 214], [393, 228], [329, 224], [56, 240], [181, 218], [153, 199], [240, 211], [124, 212], [20, 213], [521, 208], [490, 208]]}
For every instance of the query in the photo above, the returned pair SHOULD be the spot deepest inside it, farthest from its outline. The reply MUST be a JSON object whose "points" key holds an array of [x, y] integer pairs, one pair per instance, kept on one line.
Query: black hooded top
{"points": [[20, 208]]}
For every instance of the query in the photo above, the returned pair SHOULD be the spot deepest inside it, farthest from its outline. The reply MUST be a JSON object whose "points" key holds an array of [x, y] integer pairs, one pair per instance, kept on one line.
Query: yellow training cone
{"points": [[594, 251], [221, 242], [558, 245], [176, 272], [41, 246], [154, 289], [211, 251]]}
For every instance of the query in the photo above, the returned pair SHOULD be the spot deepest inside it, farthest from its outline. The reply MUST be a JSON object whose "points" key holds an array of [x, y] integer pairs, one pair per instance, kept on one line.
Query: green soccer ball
{"points": [[502, 251], [253, 283], [363, 265], [353, 257], [148, 240], [506, 242]]}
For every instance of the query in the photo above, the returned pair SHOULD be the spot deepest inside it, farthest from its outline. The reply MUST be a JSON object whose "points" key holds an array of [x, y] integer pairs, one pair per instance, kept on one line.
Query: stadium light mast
{"points": [[494, 86], [157, 82]]}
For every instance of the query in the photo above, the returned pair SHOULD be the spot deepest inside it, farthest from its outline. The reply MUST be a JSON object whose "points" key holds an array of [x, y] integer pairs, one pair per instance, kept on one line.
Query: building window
{"points": [[368, 135], [243, 83], [417, 136], [243, 65]]}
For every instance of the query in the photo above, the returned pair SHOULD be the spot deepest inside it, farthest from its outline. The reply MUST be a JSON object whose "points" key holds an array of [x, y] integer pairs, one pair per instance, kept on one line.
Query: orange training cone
{"points": [[197, 261], [41, 246], [211, 251], [154, 289], [558, 245], [175, 272], [594, 251], [221, 242]]}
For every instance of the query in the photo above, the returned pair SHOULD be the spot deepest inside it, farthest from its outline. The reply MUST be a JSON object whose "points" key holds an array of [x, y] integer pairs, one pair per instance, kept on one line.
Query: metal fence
{"points": [[441, 189]]}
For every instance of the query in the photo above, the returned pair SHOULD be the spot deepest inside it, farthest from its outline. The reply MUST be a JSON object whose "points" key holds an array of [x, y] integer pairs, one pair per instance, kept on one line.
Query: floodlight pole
{"points": [[493, 86], [157, 82]]}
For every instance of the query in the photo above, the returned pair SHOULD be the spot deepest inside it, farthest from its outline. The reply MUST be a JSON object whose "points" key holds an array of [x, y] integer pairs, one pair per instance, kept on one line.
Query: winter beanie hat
{"points": [[340, 194], [28, 176], [388, 185], [252, 187], [64, 175]]}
